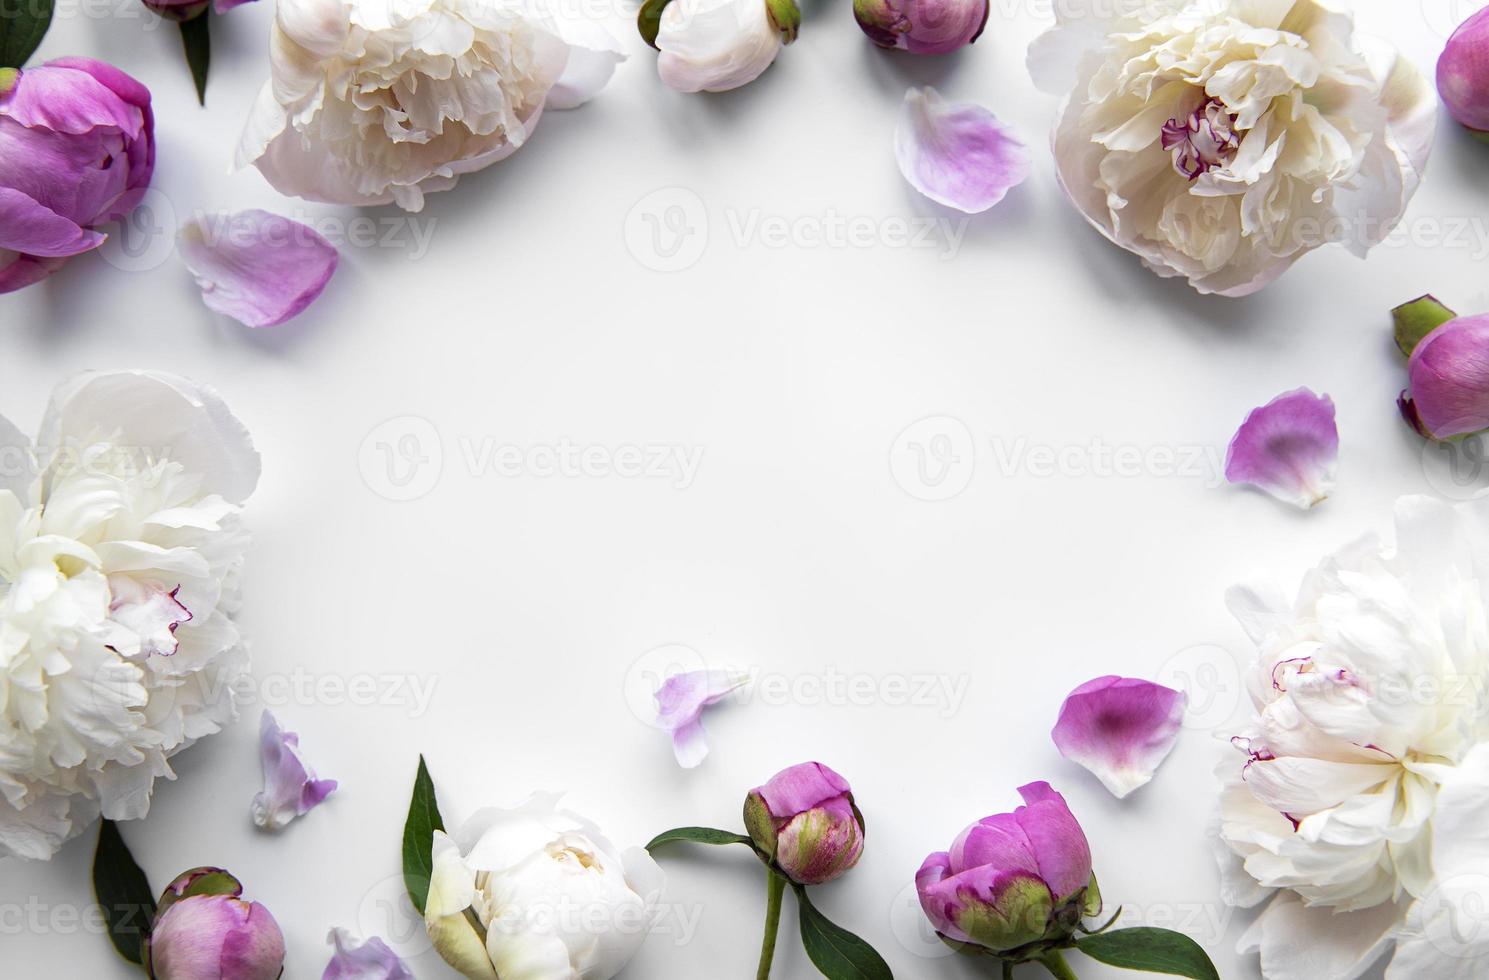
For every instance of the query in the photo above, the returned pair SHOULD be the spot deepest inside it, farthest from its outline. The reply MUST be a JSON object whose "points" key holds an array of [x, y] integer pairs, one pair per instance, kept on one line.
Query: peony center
{"points": [[1207, 140]]}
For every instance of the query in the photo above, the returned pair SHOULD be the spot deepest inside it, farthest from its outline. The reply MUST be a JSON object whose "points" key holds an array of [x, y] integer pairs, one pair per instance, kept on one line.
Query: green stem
{"points": [[1007, 970], [776, 891], [1055, 963]]}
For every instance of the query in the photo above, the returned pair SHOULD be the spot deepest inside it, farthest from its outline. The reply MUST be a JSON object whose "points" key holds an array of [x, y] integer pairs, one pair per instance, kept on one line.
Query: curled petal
{"points": [[1120, 729], [715, 45], [680, 703], [256, 267], [290, 787], [372, 960], [957, 153], [1289, 447]]}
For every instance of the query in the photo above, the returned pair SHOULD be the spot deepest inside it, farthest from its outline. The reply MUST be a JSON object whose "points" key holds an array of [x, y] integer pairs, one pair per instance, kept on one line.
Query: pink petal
{"points": [[34, 229], [957, 154], [1120, 729], [256, 267], [290, 787], [680, 703], [1289, 447], [372, 960]]}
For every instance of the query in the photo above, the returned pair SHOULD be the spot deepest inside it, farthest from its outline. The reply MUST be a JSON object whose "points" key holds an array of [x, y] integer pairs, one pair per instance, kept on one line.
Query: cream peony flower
{"points": [[538, 893], [120, 549], [716, 45], [1369, 758], [1221, 140], [380, 101]]}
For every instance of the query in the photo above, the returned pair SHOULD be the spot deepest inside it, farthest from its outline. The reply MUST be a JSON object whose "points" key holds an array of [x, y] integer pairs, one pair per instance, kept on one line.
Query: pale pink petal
{"points": [[680, 703], [1120, 728], [290, 787], [1289, 447], [372, 960], [957, 153], [256, 267]]}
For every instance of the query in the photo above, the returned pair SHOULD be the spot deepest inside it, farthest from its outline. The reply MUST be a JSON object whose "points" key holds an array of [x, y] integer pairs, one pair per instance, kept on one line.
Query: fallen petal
{"points": [[290, 787], [680, 703], [1120, 729], [256, 267], [957, 153], [1289, 447], [372, 960]]}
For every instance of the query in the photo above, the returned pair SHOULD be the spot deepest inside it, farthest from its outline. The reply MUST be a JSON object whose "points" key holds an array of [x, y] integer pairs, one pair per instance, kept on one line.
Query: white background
{"points": [[801, 547]]}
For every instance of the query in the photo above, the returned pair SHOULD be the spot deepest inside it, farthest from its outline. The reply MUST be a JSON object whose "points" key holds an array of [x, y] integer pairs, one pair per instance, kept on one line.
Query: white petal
{"points": [[1301, 943], [715, 45]]}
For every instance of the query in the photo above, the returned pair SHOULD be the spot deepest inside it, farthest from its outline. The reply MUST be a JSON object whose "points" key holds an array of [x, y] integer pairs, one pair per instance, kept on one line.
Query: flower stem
{"points": [[776, 891], [1055, 963], [1007, 970]]}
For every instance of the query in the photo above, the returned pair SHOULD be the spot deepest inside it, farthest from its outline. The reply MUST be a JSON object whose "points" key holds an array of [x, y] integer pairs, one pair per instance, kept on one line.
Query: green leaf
{"points": [[649, 20], [418, 838], [699, 835], [835, 951], [1154, 950], [197, 40], [123, 893], [23, 23], [1417, 319]]}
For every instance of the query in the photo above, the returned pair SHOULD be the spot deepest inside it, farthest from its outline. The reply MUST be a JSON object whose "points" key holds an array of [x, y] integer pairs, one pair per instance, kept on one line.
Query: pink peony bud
{"points": [[79, 143], [1463, 73], [204, 931], [805, 820], [1449, 380], [922, 26]]}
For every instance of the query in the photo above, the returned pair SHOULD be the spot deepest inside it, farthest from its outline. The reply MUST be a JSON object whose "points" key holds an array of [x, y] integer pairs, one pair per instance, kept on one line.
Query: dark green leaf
{"points": [[23, 23], [1417, 319], [418, 838], [123, 893], [835, 951], [699, 835], [1154, 950], [197, 40], [649, 20]]}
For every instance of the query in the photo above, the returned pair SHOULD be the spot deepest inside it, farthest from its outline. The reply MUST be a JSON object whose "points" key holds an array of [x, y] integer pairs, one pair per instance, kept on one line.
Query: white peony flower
{"points": [[1368, 760], [538, 893], [717, 45], [120, 549], [1221, 140], [380, 101]]}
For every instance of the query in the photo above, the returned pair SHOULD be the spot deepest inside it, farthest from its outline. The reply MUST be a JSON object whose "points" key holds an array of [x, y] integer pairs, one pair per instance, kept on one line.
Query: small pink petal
{"points": [[256, 267], [957, 153], [372, 960], [1120, 729], [680, 703], [1289, 447], [290, 787]]}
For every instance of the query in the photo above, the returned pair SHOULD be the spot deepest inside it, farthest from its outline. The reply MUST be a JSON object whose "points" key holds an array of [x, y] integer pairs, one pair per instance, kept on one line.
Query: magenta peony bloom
{"points": [[1463, 73], [204, 931], [806, 821], [922, 26], [1449, 378], [77, 148], [1013, 878]]}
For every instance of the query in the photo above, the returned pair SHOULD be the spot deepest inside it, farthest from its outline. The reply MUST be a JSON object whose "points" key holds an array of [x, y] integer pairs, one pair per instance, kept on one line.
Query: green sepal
{"points": [[1091, 906], [1417, 319], [649, 20], [786, 16], [760, 825], [198, 881]]}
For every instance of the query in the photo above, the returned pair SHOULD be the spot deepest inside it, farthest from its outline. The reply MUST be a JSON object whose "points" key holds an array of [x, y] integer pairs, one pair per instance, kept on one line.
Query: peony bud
{"points": [[1463, 73], [204, 931], [1448, 374], [1013, 879], [922, 26], [804, 819], [79, 143]]}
